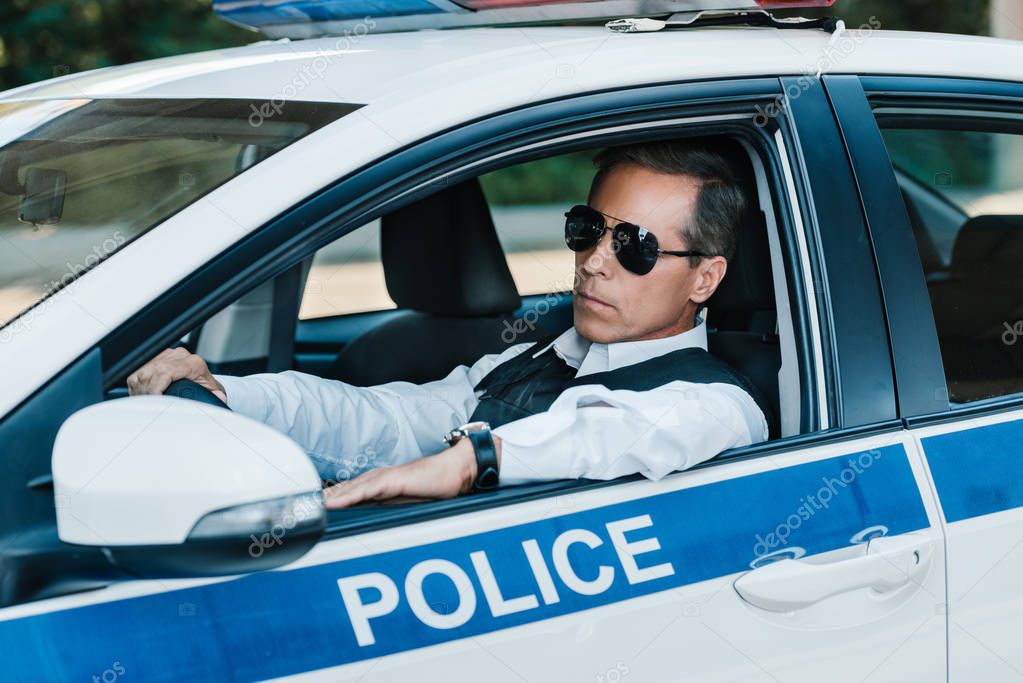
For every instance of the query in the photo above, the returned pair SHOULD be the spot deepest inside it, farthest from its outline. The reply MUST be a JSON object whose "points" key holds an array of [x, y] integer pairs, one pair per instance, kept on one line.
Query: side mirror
{"points": [[175, 488]]}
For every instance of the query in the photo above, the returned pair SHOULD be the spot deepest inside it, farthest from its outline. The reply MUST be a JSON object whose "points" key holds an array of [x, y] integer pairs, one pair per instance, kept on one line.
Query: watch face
{"points": [[475, 426]]}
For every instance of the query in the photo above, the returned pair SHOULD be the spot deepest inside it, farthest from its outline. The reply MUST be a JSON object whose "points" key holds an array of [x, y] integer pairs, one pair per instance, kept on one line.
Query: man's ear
{"points": [[709, 274]]}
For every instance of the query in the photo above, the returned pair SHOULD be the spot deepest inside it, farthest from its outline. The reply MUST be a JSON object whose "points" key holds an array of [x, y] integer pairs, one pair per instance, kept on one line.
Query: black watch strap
{"points": [[487, 470]]}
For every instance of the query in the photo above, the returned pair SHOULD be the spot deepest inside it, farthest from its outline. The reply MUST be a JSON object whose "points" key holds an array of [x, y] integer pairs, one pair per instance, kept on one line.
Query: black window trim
{"points": [[966, 95], [857, 359], [916, 358]]}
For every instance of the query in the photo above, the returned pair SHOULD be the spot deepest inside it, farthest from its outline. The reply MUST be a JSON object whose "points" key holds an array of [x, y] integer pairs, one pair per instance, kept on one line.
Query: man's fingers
{"points": [[160, 381], [169, 366], [139, 380], [370, 486], [343, 495]]}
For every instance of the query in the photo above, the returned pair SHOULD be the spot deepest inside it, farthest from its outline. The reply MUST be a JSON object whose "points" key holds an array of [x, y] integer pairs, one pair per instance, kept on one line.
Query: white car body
{"points": [[703, 623]]}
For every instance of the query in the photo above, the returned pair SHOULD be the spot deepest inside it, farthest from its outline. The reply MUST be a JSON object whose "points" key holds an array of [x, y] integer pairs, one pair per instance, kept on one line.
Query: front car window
{"points": [[963, 185], [527, 204], [81, 178]]}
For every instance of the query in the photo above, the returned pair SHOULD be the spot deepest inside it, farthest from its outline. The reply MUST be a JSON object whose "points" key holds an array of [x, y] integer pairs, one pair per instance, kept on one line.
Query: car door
{"points": [[957, 146], [818, 554]]}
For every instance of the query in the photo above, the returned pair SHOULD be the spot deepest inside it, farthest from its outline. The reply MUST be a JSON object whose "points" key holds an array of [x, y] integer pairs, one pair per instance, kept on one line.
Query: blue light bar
{"points": [[310, 18], [260, 13]]}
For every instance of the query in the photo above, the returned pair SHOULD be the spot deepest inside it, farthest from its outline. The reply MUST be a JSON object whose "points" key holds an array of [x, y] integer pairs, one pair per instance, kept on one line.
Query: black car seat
{"points": [[742, 320], [977, 307], [742, 316], [443, 262]]}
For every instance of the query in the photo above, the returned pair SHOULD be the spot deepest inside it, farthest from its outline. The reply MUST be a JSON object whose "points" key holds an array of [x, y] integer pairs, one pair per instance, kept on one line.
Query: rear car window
{"points": [[80, 178], [963, 187]]}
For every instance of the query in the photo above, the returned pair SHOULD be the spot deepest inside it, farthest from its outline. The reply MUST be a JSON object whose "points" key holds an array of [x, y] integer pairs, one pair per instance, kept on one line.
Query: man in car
{"points": [[629, 388]]}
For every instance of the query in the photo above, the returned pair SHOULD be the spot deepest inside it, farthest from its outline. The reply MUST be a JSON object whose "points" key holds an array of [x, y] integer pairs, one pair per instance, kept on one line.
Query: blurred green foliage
{"points": [[936, 157], [941, 16], [40, 39], [555, 180]]}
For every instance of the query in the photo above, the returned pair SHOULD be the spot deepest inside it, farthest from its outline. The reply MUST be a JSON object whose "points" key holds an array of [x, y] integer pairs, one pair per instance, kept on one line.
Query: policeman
{"points": [[629, 388]]}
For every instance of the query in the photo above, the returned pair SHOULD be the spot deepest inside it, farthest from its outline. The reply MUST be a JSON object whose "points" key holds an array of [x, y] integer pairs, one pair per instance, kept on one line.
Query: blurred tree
{"points": [[942, 16], [41, 39]]}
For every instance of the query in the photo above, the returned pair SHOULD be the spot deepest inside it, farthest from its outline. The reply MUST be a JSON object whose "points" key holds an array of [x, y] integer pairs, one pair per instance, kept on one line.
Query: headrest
{"points": [[748, 285], [441, 255], [988, 252]]}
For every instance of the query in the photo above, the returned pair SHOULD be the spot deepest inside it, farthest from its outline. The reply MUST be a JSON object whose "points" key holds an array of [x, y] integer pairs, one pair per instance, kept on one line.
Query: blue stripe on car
{"points": [[977, 471], [285, 622]]}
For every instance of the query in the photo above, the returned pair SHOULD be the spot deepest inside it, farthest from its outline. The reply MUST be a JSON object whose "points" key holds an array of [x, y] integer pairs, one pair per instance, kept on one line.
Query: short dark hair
{"points": [[714, 228]]}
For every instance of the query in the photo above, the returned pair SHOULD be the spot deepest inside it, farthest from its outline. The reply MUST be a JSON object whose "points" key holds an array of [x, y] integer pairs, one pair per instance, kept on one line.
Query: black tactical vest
{"points": [[524, 385]]}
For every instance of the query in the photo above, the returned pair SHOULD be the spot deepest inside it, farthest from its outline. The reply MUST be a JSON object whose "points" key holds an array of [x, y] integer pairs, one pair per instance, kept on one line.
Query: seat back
{"points": [[742, 316], [977, 307], [742, 319], [443, 262]]}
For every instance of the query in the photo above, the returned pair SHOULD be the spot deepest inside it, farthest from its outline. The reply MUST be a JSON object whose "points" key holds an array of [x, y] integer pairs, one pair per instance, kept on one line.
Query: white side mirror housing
{"points": [[142, 476]]}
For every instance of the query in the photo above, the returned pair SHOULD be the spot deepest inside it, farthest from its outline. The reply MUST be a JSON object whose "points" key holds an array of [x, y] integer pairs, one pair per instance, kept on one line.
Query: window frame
{"points": [[686, 109], [802, 201], [966, 99], [820, 409]]}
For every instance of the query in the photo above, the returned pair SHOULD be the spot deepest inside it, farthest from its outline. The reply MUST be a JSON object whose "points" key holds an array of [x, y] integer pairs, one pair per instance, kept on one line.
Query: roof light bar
{"points": [[260, 13], [309, 18]]}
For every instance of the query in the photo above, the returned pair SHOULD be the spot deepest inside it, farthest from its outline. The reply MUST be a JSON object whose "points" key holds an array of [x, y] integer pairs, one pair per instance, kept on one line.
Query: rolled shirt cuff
{"points": [[243, 397]]}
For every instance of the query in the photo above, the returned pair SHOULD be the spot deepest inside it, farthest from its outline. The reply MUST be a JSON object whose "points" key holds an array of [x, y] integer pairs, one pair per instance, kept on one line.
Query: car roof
{"points": [[518, 65]]}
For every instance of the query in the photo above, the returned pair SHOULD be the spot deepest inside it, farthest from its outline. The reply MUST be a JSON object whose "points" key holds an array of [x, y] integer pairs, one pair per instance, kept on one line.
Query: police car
{"points": [[258, 204]]}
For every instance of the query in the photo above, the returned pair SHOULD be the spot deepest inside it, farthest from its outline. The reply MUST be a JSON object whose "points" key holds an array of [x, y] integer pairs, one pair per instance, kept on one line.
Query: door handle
{"points": [[789, 585]]}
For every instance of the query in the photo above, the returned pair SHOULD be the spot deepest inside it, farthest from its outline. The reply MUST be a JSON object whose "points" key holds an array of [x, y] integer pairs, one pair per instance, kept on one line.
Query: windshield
{"points": [[81, 178]]}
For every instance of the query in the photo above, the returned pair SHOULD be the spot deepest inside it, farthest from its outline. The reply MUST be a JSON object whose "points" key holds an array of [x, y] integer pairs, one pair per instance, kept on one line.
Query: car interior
{"points": [[971, 265], [448, 296]]}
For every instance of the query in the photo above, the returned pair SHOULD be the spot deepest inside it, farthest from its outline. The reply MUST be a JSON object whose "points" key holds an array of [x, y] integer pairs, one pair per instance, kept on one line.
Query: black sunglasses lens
{"points": [[635, 248], [583, 228]]}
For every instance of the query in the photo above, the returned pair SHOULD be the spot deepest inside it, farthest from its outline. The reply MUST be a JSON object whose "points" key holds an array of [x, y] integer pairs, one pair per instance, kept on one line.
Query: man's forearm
{"points": [[595, 433], [345, 429]]}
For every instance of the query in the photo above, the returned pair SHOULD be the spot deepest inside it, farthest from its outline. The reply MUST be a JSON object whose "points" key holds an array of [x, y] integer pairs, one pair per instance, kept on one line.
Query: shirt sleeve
{"points": [[594, 432], [347, 430]]}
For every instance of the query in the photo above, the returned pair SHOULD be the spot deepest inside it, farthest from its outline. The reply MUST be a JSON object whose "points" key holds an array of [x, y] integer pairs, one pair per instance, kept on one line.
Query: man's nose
{"points": [[601, 260]]}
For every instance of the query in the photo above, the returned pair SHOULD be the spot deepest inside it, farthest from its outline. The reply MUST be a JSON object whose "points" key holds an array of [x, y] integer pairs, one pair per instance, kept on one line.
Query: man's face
{"points": [[613, 305]]}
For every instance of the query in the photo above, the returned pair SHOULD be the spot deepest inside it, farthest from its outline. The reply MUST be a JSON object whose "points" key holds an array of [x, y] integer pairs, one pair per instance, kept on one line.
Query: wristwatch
{"points": [[487, 470]]}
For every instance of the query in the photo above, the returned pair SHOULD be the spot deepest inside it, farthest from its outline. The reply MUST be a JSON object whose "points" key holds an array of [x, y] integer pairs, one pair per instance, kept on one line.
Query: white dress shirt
{"points": [[589, 431]]}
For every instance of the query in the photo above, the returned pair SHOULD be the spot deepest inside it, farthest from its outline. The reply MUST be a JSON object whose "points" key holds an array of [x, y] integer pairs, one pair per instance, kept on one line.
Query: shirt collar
{"points": [[590, 357]]}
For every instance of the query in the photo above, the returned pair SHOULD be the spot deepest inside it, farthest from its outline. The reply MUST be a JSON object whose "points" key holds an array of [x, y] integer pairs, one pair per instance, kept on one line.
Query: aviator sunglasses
{"points": [[635, 247]]}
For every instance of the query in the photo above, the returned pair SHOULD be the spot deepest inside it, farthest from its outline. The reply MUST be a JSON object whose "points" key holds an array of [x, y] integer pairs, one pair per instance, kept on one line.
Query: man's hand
{"points": [[171, 365], [447, 474]]}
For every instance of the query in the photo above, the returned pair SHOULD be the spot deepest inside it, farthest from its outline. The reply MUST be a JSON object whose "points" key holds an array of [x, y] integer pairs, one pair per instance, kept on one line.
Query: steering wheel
{"points": [[186, 388]]}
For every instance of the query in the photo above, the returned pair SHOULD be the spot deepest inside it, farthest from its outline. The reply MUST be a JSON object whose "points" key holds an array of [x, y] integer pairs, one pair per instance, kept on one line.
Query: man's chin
{"points": [[589, 326]]}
